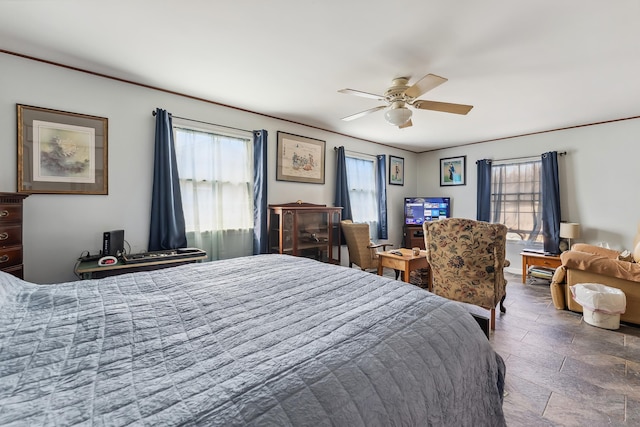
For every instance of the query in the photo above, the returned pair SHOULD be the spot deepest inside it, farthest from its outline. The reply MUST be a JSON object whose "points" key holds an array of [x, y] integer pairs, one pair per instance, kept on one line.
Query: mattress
{"points": [[262, 340]]}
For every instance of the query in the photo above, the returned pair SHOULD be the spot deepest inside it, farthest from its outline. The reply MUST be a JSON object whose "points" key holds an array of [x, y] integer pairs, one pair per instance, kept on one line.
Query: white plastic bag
{"points": [[599, 298]]}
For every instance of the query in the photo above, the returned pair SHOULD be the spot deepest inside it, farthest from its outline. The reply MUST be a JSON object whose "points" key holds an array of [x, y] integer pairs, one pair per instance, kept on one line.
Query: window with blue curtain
{"points": [[361, 176], [216, 181], [516, 199]]}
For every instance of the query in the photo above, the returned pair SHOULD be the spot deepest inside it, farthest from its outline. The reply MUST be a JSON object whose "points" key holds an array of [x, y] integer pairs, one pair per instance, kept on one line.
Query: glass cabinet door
{"points": [[312, 234], [336, 216], [288, 232], [308, 232]]}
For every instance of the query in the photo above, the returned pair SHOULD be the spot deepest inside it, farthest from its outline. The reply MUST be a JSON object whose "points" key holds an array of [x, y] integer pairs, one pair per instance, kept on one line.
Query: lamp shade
{"points": [[398, 116], [569, 230]]}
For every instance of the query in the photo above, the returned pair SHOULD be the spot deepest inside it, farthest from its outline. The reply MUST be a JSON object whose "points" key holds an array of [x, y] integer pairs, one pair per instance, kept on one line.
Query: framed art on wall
{"points": [[453, 171], [300, 159], [61, 152], [396, 170]]}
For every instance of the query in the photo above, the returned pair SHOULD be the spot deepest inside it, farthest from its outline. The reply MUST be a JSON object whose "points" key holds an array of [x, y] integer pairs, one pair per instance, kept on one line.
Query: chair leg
{"points": [[397, 274], [503, 309], [493, 319]]}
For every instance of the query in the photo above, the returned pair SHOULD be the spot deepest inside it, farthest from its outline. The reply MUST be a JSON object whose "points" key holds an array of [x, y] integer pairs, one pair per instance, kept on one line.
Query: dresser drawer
{"points": [[10, 235], [10, 257], [10, 213], [16, 270], [552, 263]]}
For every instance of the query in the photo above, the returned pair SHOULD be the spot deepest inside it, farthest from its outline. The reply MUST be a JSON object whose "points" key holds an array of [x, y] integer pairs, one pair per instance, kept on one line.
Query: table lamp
{"points": [[569, 230]]}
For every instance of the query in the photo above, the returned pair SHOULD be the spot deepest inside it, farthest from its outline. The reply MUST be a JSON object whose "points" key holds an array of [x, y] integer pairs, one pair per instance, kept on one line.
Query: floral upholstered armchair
{"points": [[467, 260]]}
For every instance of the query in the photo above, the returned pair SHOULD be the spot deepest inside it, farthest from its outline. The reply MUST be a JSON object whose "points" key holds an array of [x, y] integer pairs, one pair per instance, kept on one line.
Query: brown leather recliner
{"points": [[586, 263]]}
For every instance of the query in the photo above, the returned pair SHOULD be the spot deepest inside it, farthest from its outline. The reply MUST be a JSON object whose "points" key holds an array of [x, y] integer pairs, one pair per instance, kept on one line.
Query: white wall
{"points": [[599, 178], [57, 228]]}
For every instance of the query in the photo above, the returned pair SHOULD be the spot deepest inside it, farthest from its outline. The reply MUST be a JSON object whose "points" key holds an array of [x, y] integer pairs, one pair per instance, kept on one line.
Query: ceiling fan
{"points": [[400, 95]]}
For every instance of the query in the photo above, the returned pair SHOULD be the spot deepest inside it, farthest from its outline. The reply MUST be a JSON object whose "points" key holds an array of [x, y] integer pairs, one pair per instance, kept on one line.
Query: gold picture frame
{"points": [[61, 152], [300, 159]]}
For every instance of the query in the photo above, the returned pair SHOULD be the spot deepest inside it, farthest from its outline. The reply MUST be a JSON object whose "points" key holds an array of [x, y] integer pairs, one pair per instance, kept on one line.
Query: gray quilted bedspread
{"points": [[264, 340]]}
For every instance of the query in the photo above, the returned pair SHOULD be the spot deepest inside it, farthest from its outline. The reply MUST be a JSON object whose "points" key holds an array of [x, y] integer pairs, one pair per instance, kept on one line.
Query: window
{"points": [[516, 199], [361, 176], [216, 182]]}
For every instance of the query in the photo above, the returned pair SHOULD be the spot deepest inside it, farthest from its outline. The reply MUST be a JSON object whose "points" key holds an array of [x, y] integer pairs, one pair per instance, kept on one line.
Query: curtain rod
{"points": [[356, 152], [153, 113], [563, 153]]}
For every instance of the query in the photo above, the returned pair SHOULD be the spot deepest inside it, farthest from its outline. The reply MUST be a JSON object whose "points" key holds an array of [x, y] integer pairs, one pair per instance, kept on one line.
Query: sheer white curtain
{"points": [[361, 177], [216, 179]]}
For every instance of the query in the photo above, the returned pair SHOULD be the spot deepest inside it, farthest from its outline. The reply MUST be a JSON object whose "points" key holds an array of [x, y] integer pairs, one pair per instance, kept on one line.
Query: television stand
{"points": [[413, 236]]}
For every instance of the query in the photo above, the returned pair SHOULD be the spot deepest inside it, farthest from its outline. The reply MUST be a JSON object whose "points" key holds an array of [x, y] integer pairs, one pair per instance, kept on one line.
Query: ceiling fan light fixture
{"points": [[399, 95], [398, 116]]}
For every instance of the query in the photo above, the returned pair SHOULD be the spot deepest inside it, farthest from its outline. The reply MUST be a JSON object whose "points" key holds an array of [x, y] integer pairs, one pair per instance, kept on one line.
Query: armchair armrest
{"points": [[595, 250], [379, 245], [601, 264]]}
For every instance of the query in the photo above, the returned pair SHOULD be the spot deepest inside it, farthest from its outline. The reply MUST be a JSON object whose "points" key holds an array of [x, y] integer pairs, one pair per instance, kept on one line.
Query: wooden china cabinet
{"points": [[305, 229]]}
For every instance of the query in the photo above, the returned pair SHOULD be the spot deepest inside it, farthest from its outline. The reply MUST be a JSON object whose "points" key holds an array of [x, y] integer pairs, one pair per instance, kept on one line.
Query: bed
{"points": [[262, 340]]}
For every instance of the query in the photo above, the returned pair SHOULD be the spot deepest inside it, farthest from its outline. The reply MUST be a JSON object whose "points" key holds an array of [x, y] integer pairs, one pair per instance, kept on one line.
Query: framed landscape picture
{"points": [[453, 171], [396, 170], [61, 152], [300, 159]]}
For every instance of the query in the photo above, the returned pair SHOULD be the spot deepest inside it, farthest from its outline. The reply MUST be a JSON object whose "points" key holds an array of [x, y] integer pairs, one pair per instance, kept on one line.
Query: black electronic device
{"points": [[90, 257], [113, 243], [166, 255], [534, 250], [418, 210]]}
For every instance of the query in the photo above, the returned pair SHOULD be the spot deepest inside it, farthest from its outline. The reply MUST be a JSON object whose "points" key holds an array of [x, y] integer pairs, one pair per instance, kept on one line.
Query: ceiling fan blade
{"points": [[424, 85], [445, 107], [363, 113], [362, 94], [406, 125]]}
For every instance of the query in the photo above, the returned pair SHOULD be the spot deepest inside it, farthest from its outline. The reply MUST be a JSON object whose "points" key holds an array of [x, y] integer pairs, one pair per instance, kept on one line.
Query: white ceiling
{"points": [[525, 66]]}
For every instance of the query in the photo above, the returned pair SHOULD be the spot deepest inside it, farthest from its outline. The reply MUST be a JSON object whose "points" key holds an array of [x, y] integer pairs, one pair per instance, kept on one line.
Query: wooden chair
{"points": [[467, 260], [362, 252]]}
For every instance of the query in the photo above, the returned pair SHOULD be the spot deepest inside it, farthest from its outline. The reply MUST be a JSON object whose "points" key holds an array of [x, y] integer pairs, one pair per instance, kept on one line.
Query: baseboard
{"points": [[514, 270]]}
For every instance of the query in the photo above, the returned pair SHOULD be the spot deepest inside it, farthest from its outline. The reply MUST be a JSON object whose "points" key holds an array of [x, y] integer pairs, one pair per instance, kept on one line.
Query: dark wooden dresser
{"points": [[11, 233]]}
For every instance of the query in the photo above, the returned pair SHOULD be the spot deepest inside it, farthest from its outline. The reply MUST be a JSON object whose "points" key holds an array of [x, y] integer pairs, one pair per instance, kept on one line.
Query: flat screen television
{"points": [[417, 210]]}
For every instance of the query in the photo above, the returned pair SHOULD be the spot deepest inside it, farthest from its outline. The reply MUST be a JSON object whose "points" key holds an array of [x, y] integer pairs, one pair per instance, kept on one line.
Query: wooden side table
{"points": [[91, 269], [407, 262], [532, 258]]}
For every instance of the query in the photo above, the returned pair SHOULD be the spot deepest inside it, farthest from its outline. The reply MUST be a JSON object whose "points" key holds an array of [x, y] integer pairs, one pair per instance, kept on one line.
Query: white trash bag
{"points": [[602, 305]]}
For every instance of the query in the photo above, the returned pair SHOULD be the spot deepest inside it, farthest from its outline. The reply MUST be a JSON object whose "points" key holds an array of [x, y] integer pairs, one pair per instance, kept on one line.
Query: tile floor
{"points": [[562, 371]]}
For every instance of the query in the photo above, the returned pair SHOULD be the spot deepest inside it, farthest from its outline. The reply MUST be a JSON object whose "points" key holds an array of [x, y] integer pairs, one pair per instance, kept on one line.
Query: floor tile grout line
{"points": [[546, 405], [564, 360]]}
